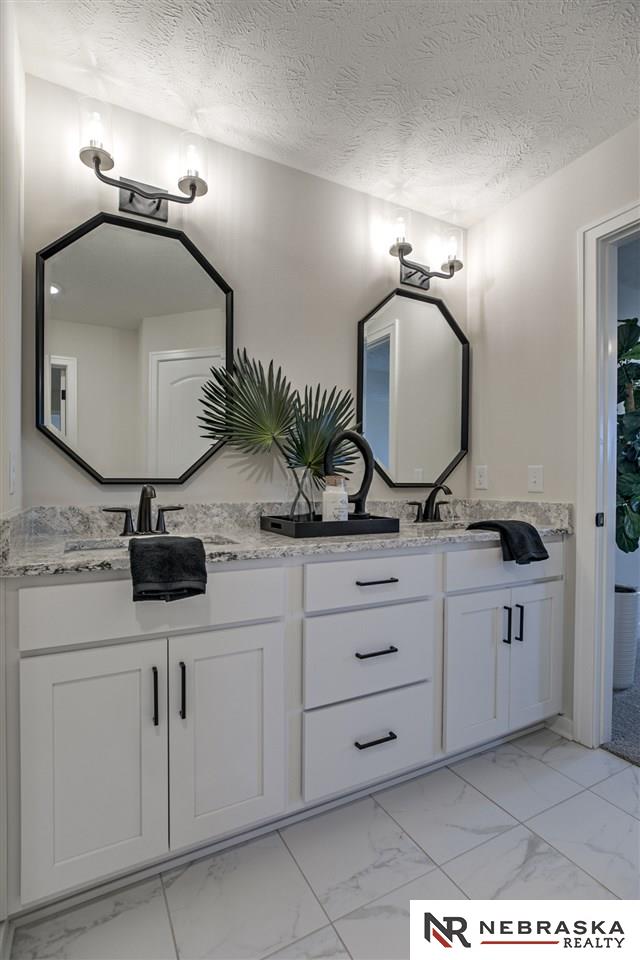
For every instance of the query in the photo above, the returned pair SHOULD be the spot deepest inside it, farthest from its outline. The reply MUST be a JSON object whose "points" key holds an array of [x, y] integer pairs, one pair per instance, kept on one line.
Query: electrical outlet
{"points": [[536, 478], [418, 474], [482, 478]]}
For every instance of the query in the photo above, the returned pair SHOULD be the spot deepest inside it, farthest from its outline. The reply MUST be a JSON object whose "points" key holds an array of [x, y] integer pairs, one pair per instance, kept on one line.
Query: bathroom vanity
{"points": [[308, 672]]}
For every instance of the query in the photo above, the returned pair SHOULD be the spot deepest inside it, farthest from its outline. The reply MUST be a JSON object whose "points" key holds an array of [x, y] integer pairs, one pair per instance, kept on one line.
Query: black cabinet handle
{"points": [[374, 743], [156, 719], [377, 653], [183, 690], [520, 607], [376, 583], [507, 639]]}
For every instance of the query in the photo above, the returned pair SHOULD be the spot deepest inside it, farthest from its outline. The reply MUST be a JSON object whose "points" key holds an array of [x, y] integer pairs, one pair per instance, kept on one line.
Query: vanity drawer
{"points": [[360, 583], [333, 763], [349, 655], [471, 569], [58, 616]]}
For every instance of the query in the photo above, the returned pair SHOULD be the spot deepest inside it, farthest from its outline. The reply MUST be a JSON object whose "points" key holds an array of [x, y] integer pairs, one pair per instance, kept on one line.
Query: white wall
{"points": [[11, 172], [307, 260], [522, 320], [523, 325]]}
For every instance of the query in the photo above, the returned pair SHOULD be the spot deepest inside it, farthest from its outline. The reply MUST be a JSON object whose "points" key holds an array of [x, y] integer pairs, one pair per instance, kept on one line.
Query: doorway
{"points": [[599, 250], [625, 720]]}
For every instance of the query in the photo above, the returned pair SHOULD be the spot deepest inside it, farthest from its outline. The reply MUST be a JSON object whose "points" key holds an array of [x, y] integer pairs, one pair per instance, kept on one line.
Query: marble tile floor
{"points": [[538, 818]]}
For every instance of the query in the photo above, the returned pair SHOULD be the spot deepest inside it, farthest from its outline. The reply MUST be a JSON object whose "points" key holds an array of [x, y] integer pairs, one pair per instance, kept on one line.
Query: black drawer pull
{"points": [[507, 639], [376, 583], [156, 719], [183, 691], [374, 743], [376, 653], [520, 607]]}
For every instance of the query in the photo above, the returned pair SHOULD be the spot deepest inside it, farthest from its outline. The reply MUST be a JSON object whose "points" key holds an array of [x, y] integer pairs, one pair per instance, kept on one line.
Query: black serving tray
{"points": [[317, 527]]}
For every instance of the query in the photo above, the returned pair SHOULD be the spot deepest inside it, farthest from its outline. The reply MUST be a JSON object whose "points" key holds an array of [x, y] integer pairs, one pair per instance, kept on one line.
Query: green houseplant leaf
{"points": [[247, 407], [628, 453], [256, 410], [317, 418]]}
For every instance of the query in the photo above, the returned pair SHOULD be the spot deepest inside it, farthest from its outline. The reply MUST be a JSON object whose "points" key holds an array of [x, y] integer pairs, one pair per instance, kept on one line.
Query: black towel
{"points": [[520, 541], [167, 568]]}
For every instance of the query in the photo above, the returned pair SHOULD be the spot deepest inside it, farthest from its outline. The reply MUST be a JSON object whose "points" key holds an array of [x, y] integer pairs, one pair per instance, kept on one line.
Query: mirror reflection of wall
{"points": [[412, 385], [133, 325]]}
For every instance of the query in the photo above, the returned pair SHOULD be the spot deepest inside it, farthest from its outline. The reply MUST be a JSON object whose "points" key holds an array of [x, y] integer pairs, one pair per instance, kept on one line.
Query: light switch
{"points": [[482, 477], [536, 479]]}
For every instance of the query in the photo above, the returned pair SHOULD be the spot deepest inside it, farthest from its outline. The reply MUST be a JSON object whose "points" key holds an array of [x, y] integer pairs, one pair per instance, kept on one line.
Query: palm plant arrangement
{"points": [[628, 452], [258, 411]]}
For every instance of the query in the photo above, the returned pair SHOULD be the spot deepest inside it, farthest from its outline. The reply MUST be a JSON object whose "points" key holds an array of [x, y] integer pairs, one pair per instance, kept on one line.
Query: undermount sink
{"points": [[437, 526], [115, 543]]}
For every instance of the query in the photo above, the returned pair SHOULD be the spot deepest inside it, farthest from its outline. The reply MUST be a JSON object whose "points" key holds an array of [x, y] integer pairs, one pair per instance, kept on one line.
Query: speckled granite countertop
{"points": [[46, 543]]}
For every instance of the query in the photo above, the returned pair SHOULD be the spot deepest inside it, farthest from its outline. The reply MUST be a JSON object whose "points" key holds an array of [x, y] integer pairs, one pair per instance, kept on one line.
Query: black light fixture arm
{"points": [[429, 274], [143, 193]]}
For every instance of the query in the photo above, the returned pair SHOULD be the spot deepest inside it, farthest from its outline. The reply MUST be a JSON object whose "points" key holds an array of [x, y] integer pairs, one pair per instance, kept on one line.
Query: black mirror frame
{"points": [[466, 352], [49, 251]]}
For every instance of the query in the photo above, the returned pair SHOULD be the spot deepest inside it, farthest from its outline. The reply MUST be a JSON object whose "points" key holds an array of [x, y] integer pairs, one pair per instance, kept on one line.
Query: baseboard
{"points": [[6, 937], [60, 904], [563, 726]]}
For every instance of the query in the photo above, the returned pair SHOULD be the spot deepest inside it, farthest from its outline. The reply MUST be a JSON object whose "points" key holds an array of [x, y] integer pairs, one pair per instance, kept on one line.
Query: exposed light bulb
{"points": [[452, 247], [54, 289], [400, 229], [193, 163], [95, 130]]}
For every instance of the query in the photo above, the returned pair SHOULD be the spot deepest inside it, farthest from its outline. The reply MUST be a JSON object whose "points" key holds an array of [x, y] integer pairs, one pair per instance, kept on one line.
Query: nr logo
{"points": [[444, 931]]}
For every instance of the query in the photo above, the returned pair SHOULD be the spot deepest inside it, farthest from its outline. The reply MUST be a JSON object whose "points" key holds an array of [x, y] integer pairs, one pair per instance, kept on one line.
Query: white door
{"points": [[93, 762], [176, 378], [226, 730], [476, 680], [536, 653]]}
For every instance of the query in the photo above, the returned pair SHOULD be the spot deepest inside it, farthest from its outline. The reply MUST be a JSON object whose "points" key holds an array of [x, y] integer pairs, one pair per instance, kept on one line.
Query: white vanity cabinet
{"points": [[503, 661], [94, 764], [226, 731], [137, 748], [146, 730]]}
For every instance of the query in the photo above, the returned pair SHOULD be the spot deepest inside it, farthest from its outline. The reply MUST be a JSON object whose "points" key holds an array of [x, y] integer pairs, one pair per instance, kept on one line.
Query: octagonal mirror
{"points": [[130, 319], [413, 389]]}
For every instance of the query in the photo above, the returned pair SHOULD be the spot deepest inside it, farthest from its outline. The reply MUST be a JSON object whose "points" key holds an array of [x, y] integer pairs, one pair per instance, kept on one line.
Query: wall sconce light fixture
{"points": [[140, 198], [417, 274]]}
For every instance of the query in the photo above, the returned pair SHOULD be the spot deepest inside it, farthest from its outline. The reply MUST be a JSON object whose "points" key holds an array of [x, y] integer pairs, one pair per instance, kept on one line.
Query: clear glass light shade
{"points": [[399, 230], [193, 163], [452, 249], [96, 139]]}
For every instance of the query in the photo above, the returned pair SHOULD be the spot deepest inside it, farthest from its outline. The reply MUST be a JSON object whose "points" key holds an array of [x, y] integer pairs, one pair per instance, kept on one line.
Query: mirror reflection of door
{"points": [[380, 393], [176, 378], [61, 397], [413, 381]]}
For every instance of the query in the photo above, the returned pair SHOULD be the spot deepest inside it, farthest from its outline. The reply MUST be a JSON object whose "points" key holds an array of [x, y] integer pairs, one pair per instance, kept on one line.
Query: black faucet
{"points": [[143, 523], [430, 512]]}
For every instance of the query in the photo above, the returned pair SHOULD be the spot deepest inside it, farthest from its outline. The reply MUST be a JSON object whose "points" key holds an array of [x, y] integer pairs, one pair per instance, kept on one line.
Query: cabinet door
{"points": [[476, 679], [94, 764], [227, 730], [536, 653]]}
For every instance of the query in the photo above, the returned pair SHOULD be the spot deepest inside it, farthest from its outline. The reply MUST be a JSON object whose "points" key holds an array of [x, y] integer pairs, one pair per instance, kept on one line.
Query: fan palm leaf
{"points": [[249, 408], [318, 416]]}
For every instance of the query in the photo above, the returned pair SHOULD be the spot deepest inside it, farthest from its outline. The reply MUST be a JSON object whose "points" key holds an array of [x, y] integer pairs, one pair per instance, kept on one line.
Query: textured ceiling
{"points": [[451, 108]]}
